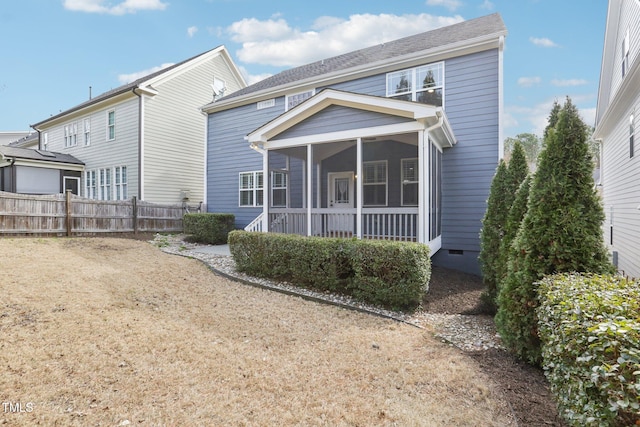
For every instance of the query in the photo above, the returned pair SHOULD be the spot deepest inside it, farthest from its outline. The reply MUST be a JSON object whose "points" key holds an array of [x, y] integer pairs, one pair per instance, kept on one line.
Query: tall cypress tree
{"points": [[561, 231], [492, 232]]}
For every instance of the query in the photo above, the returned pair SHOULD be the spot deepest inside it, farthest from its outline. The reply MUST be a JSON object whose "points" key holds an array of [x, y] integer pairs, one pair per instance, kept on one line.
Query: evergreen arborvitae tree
{"points": [[517, 172], [561, 231], [492, 232]]}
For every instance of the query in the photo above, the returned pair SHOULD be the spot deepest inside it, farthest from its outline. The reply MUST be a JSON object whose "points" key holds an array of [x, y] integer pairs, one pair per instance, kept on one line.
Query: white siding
{"points": [[174, 138], [629, 23], [620, 177], [101, 153]]}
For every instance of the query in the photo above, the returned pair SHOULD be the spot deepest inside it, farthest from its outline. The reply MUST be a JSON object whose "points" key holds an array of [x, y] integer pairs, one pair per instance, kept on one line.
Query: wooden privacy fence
{"points": [[67, 214]]}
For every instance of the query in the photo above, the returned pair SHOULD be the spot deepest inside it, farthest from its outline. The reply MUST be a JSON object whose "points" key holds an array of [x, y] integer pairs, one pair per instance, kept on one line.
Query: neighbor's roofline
{"points": [[438, 53], [145, 83]]}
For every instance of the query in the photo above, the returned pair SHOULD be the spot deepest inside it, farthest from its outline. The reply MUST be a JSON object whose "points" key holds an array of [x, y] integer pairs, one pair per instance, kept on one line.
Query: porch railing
{"points": [[377, 223]]}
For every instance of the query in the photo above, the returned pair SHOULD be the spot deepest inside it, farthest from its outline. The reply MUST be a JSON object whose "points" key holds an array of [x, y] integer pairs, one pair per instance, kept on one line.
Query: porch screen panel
{"points": [[409, 182], [435, 212]]}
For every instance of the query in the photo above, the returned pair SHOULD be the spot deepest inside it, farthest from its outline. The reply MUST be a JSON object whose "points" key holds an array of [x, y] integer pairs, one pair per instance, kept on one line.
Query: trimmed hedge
{"points": [[210, 228], [590, 331], [390, 274]]}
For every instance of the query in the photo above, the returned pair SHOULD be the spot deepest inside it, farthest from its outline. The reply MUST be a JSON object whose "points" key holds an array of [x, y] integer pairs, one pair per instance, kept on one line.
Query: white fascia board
{"points": [[340, 136], [625, 95], [189, 65], [436, 54], [609, 50], [49, 165], [327, 97]]}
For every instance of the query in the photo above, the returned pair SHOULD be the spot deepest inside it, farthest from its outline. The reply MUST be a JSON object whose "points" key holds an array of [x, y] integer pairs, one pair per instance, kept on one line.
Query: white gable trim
{"points": [[423, 116]]}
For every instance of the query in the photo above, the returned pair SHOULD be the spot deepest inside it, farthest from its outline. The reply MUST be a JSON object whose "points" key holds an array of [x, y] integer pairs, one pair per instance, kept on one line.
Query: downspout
{"points": [[140, 146], [424, 197]]}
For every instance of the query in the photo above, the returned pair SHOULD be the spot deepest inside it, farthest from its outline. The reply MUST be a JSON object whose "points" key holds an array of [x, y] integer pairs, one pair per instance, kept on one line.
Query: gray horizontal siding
{"points": [[337, 118]]}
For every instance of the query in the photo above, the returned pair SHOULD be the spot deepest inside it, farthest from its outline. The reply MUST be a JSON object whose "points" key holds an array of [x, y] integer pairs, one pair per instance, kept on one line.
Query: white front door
{"points": [[340, 196]]}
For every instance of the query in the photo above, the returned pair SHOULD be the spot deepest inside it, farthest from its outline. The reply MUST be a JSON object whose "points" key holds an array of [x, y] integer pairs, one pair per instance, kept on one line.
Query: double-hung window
{"points": [[409, 182], [71, 135], [424, 84], [374, 183], [87, 131], [111, 125], [90, 184], [120, 182], [279, 189], [631, 132], [104, 175], [625, 54], [250, 188]]}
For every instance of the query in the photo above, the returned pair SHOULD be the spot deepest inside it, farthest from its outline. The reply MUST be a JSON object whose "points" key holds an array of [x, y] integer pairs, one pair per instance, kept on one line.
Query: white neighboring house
{"points": [[8, 137], [146, 138], [618, 129]]}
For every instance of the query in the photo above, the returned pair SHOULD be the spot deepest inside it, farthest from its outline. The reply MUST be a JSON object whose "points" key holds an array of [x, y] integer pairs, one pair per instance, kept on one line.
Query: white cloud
{"points": [[192, 31], [487, 5], [449, 4], [542, 42], [275, 42], [127, 6], [568, 82], [528, 81], [128, 78]]}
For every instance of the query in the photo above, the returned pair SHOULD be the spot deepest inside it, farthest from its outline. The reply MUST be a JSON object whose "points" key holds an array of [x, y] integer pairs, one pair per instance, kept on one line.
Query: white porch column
{"points": [[265, 190], [359, 188], [309, 186], [423, 188]]}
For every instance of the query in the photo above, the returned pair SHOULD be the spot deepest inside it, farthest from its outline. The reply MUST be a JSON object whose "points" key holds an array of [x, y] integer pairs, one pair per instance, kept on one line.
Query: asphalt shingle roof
{"points": [[466, 30], [48, 156]]}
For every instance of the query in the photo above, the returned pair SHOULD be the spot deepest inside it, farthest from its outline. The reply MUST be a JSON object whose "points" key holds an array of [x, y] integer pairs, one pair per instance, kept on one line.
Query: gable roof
{"points": [[428, 116], [446, 38], [145, 82], [38, 155]]}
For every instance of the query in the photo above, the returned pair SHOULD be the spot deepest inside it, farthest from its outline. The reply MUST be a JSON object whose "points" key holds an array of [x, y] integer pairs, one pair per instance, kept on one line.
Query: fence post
{"points": [[134, 203], [68, 206]]}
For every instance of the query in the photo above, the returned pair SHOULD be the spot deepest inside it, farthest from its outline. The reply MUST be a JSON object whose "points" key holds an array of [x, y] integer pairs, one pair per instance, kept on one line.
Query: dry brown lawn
{"points": [[105, 331]]}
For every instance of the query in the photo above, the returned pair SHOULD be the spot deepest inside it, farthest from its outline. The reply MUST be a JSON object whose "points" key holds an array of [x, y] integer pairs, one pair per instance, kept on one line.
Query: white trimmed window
{"points": [[374, 183], [297, 98], [90, 184], [120, 181], [409, 182], [104, 176], [631, 132], [111, 125], [45, 140], [424, 84], [250, 189], [87, 131], [71, 135], [625, 54], [279, 189]]}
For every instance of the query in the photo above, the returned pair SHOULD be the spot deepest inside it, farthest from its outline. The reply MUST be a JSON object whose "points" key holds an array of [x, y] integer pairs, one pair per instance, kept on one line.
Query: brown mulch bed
{"points": [[525, 387]]}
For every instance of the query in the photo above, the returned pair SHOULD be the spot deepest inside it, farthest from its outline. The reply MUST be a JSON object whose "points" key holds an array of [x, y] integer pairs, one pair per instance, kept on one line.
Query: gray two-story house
{"points": [[396, 141]]}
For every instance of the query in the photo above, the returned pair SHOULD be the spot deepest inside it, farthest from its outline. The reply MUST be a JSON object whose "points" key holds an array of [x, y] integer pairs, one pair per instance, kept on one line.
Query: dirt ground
{"points": [[107, 331], [525, 388]]}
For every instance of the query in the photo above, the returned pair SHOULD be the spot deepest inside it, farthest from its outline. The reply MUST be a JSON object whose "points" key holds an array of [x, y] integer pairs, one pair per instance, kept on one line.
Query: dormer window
{"points": [[424, 84]]}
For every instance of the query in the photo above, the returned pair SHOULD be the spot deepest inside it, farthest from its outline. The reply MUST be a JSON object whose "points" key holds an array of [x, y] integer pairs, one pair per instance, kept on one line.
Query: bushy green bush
{"points": [[590, 330], [210, 228], [390, 274]]}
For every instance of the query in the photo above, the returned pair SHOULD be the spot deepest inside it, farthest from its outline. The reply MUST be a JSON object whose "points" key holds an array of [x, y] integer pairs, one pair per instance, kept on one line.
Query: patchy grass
{"points": [[103, 331]]}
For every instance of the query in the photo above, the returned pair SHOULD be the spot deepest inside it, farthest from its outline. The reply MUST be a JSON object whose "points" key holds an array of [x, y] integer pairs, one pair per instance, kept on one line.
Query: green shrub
{"points": [[390, 274], [590, 330], [210, 228]]}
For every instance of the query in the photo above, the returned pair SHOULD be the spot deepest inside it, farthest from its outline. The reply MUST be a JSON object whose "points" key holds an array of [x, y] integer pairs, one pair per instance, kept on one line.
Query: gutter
{"points": [[140, 145]]}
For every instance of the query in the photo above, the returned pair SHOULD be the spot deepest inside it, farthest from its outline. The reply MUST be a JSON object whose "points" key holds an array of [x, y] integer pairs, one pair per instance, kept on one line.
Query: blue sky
{"points": [[53, 50]]}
